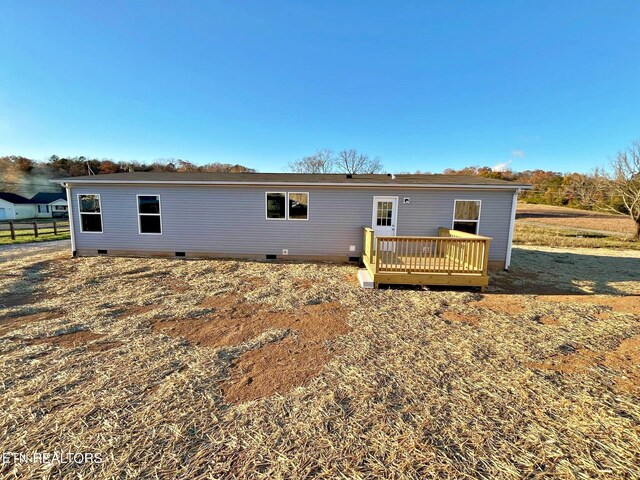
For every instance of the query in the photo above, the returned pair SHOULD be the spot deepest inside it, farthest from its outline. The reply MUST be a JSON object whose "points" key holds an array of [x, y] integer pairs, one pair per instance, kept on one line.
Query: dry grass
{"points": [[571, 217], [421, 383], [527, 234]]}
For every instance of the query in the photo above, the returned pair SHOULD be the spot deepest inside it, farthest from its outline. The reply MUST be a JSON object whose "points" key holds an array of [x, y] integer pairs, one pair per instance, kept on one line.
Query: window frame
{"points": [[286, 207], [159, 214], [80, 212], [308, 209], [477, 222]]}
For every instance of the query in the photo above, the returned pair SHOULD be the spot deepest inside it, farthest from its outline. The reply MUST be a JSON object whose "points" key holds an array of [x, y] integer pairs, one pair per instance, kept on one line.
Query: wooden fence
{"points": [[34, 229]]}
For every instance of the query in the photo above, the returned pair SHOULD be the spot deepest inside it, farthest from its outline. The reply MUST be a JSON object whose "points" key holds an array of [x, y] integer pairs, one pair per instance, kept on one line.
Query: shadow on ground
{"points": [[546, 272]]}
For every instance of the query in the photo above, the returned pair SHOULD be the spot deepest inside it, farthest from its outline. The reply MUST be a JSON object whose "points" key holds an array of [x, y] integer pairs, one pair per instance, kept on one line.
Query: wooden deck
{"points": [[452, 258]]}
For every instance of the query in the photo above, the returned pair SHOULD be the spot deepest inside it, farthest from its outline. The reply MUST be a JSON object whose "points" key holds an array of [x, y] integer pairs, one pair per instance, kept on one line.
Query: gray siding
{"points": [[231, 220]]}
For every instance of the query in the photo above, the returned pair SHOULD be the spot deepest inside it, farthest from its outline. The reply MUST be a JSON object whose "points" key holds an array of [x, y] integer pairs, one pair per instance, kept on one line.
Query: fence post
{"points": [[35, 229], [13, 230], [55, 228]]}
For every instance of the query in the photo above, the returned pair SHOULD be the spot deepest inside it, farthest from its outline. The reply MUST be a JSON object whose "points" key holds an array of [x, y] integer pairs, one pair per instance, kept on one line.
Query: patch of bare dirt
{"points": [[302, 283], [275, 367], [14, 323], [253, 282], [221, 302], [625, 304], [68, 340], [352, 278], [103, 346], [500, 303], [137, 310], [548, 320], [625, 360], [459, 318], [178, 286]]}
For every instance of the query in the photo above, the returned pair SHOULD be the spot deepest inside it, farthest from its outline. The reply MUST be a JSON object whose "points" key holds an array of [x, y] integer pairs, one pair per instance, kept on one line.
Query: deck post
{"points": [[378, 256], [13, 230], [372, 242], [55, 228], [485, 262], [35, 229]]}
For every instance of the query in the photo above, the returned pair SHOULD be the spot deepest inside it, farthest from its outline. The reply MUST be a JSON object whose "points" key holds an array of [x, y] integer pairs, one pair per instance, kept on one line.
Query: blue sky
{"points": [[424, 85]]}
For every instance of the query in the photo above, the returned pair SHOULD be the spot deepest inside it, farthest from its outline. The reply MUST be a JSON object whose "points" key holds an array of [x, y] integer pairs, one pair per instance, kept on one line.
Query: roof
{"points": [[48, 197], [14, 198], [433, 181]]}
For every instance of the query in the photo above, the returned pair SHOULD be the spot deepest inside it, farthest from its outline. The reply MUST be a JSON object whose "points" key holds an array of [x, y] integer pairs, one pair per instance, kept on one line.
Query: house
{"points": [[427, 229], [15, 207], [50, 204]]}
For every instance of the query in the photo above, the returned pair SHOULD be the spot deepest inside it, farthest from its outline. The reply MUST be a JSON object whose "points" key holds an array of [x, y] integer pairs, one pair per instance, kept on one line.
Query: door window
{"points": [[384, 214]]}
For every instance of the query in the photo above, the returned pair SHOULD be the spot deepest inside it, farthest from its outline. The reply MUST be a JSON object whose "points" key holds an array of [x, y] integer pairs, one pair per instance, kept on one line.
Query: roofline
{"points": [[514, 186]]}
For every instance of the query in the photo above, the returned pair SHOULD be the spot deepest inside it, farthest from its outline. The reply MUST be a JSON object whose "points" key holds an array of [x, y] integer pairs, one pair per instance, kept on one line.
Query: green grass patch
{"points": [[26, 236]]}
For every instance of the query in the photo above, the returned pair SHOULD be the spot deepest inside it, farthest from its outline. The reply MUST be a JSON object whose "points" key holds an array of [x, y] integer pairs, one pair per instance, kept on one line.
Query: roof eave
{"points": [[71, 181]]}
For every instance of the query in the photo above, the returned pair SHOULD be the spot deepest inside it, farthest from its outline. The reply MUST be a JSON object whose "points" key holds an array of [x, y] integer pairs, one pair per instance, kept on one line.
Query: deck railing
{"points": [[451, 252]]}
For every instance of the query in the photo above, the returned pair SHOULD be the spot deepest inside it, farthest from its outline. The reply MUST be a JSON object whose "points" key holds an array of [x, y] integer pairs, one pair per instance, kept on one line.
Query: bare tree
{"points": [[350, 161], [322, 161], [622, 186]]}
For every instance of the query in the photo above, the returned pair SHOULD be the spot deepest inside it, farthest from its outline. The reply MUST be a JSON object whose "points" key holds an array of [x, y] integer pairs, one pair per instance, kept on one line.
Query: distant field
{"points": [[571, 217]]}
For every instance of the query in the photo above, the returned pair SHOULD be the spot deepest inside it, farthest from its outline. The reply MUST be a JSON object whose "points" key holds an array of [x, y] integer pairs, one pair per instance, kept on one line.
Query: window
{"points": [[466, 216], [43, 208], [276, 206], [59, 207], [90, 213], [287, 206], [298, 206], [149, 214], [384, 214]]}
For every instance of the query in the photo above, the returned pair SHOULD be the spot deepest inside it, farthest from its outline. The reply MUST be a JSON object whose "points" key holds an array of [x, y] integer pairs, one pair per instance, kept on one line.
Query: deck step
{"points": [[364, 278]]}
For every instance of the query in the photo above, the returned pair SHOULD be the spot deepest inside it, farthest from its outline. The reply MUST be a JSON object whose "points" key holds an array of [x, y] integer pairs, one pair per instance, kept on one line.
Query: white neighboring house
{"points": [[50, 204], [16, 207]]}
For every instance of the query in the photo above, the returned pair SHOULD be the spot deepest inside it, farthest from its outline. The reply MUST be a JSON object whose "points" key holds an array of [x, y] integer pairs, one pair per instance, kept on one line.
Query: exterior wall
{"points": [[58, 208], [231, 220], [43, 214], [9, 211], [25, 210]]}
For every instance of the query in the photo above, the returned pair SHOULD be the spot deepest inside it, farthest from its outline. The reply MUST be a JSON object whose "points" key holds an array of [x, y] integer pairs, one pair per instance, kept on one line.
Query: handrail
{"points": [[448, 253]]}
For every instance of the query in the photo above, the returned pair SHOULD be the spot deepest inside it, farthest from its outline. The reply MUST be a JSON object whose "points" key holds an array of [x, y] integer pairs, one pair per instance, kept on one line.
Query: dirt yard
{"points": [[227, 369]]}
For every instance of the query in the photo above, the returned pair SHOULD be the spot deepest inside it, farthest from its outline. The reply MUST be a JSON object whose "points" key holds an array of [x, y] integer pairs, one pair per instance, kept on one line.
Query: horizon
{"points": [[448, 85]]}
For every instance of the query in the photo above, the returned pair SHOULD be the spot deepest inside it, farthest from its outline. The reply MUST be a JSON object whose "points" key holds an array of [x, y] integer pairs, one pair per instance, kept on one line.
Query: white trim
{"points": [[70, 213], [286, 207], [302, 184], [454, 219], [308, 207], [512, 222], [374, 212], [148, 214], [80, 212]]}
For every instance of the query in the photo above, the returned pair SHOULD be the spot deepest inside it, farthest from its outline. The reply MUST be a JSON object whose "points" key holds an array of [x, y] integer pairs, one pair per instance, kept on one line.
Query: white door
{"points": [[3, 214], [385, 214]]}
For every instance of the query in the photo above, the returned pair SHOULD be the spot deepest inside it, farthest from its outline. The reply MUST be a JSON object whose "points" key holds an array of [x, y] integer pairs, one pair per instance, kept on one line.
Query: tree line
{"points": [[616, 190]]}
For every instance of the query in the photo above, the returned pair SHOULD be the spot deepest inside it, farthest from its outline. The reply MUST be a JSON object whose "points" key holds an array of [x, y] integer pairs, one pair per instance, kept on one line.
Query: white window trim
{"points": [[374, 215], [308, 209], [148, 214], [286, 207], [80, 212], [461, 220]]}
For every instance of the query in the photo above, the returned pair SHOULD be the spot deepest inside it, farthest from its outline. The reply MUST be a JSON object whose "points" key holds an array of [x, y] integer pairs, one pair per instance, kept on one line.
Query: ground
{"points": [[571, 217], [568, 227], [172, 368]]}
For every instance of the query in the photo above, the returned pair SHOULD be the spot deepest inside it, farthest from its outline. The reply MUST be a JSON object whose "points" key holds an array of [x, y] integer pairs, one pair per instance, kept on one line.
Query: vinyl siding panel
{"points": [[231, 220]]}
